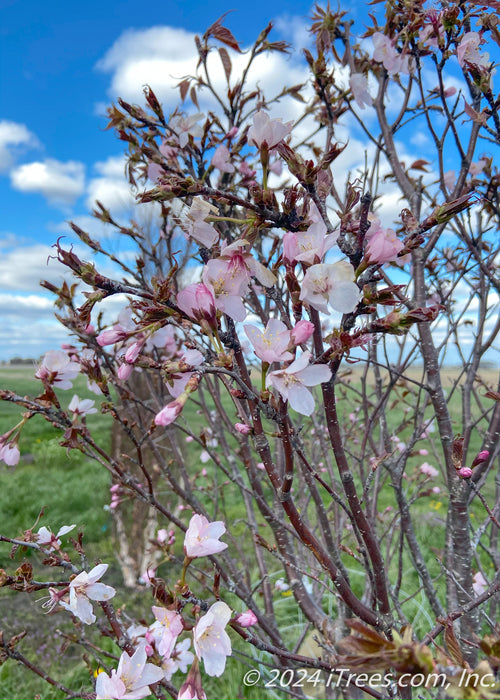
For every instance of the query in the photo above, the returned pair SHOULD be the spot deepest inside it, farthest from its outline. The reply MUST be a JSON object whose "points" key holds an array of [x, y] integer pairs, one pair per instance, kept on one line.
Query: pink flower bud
{"points": [[10, 454], [243, 428], [302, 332], [134, 351], [465, 473], [246, 619], [482, 457], [124, 371], [110, 337], [169, 413]]}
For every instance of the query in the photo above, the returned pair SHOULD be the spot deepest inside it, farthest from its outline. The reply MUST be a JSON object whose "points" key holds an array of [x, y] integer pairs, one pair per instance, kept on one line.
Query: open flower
{"points": [[84, 588], [266, 131], [131, 680], [270, 344], [179, 660], [202, 537], [211, 641], [358, 82], [293, 381], [330, 284], [221, 161], [57, 368], [166, 629], [47, 538], [81, 407], [196, 225]]}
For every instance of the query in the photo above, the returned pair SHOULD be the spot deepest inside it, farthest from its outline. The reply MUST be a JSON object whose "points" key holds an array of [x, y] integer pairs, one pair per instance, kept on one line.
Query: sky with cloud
{"points": [[61, 65]]}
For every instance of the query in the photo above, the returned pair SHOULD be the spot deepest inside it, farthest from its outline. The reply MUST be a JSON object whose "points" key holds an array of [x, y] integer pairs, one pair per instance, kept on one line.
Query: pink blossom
{"points": [[112, 336], [478, 167], [480, 458], [241, 263], [330, 284], [220, 160], [57, 368], [301, 332], [228, 283], [428, 470], [184, 127], [281, 585], [9, 453], [125, 371], [81, 407], [383, 246], [84, 588], [147, 576], [358, 82], [179, 660], [464, 472], [308, 246], [243, 428], [169, 413], [197, 301], [166, 629], [197, 226], [293, 381], [479, 583], [267, 132], [131, 680], [270, 345], [202, 537], [246, 619], [191, 688], [211, 641], [385, 53], [177, 381], [468, 51], [47, 538]]}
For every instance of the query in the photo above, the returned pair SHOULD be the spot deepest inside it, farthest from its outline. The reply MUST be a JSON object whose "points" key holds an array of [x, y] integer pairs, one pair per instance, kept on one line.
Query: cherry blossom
{"points": [[84, 588], [220, 160], [479, 583], [179, 660], [166, 629], [9, 453], [330, 284], [197, 226], [383, 246], [177, 381], [81, 407], [267, 132], [270, 345], [468, 51], [428, 469], [308, 246], [131, 680], [243, 428], [242, 264], [246, 619], [293, 381], [46, 537], [191, 688], [202, 537], [301, 332], [228, 283], [211, 641], [57, 368], [358, 82], [184, 127], [197, 302], [385, 52], [169, 413]]}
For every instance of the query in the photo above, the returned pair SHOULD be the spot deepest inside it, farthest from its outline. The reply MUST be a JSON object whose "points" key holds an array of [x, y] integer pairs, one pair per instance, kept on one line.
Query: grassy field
{"points": [[73, 489]]}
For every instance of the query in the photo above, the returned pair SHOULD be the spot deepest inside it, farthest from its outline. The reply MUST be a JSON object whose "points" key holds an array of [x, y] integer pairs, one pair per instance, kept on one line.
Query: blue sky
{"points": [[61, 65]]}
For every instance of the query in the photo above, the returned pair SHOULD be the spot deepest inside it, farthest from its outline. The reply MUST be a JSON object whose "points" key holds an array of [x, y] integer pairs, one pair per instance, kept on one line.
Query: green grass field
{"points": [[73, 489]]}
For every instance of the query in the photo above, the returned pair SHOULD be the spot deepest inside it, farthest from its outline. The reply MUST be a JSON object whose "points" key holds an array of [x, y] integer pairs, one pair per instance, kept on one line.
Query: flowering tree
{"points": [[292, 343]]}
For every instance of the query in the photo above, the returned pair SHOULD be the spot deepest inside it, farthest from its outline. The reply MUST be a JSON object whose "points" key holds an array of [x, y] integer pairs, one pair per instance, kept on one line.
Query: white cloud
{"points": [[60, 183], [162, 56], [22, 268], [110, 187], [14, 137]]}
